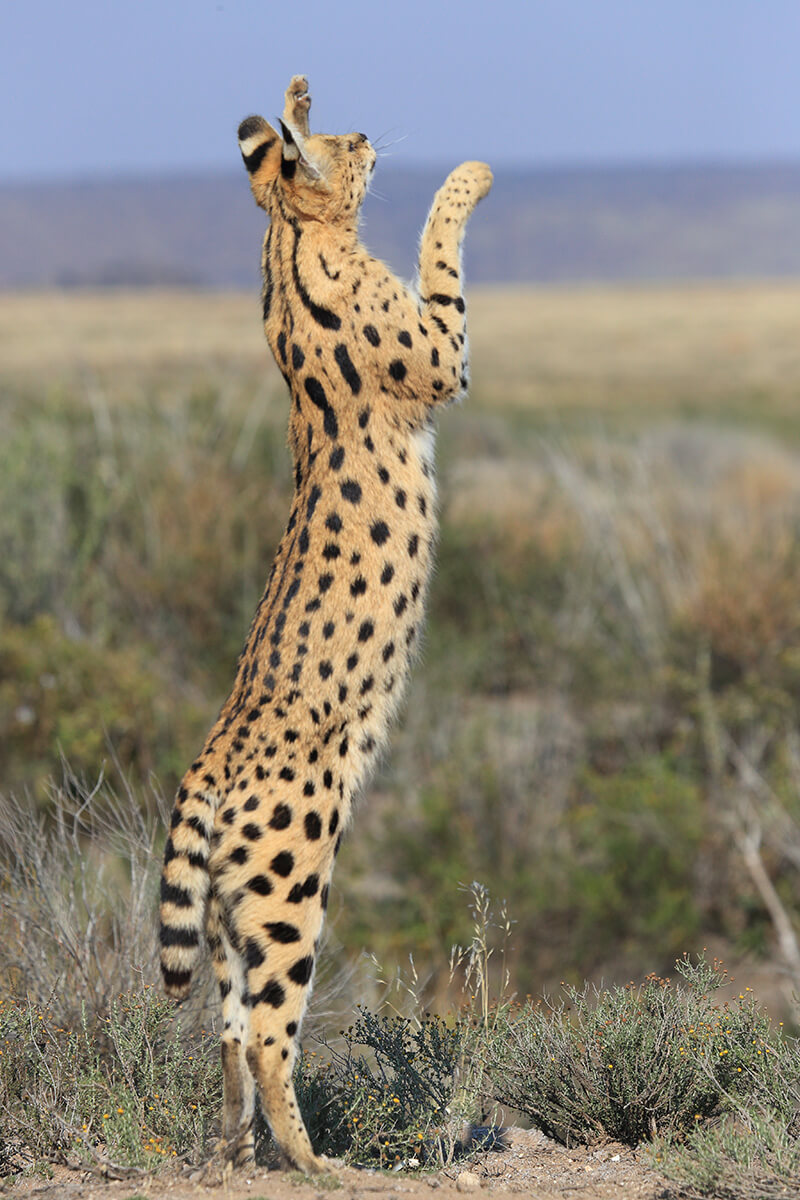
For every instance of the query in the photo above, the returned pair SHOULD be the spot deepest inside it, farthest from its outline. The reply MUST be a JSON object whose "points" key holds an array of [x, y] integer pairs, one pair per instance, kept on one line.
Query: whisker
{"points": [[377, 144]]}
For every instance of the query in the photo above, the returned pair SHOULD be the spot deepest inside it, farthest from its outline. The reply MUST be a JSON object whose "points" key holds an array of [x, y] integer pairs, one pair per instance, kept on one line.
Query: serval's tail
{"points": [[185, 884]]}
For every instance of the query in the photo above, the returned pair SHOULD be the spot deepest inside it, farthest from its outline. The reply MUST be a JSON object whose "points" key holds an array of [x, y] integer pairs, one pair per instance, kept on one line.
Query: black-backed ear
{"points": [[294, 156], [262, 151]]}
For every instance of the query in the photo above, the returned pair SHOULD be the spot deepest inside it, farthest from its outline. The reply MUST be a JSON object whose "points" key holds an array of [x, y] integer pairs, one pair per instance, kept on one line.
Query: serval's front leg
{"points": [[440, 271]]}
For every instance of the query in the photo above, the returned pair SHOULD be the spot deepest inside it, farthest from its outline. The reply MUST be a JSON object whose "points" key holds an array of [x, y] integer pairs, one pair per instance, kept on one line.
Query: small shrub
{"points": [[629, 1063], [131, 1092], [735, 1159], [400, 1101]]}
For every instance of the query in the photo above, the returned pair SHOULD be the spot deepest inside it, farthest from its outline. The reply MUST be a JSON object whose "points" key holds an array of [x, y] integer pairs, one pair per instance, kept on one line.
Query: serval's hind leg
{"points": [[236, 1145]]}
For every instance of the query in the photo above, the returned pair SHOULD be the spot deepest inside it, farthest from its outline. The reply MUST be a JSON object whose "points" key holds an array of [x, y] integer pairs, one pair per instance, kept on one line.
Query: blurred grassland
{"points": [[614, 621]]}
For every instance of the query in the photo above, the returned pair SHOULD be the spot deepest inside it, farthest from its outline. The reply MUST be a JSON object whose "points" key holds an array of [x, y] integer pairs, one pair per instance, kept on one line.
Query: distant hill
{"points": [[538, 226]]}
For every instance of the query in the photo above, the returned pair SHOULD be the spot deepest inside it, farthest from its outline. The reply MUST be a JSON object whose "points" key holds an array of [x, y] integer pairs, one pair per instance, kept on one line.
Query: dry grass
{"points": [[689, 350], [619, 536], [693, 349]]}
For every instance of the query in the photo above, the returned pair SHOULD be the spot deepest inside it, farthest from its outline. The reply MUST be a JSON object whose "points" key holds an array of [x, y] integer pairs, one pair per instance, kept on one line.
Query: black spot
{"points": [[400, 498], [240, 855], [286, 773], [323, 897], [434, 357], [387, 574], [298, 358], [337, 458], [282, 346], [316, 492], [404, 338], [331, 551], [228, 816], [313, 826], [327, 779], [400, 605], [281, 817], [372, 335], [328, 629], [388, 651], [366, 631], [177, 979], [252, 832], [366, 686], [311, 885], [345, 365], [300, 972], [169, 935], [325, 669], [324, 582], [363, 418], [397, 370], [172, 894], [253, 954], [260, 885], [283, 863], [413, 545], [352, 662], [358, 586], [343, 747], [291, 1028], [383, 475], [351, 490], [333, 522], [272, 993], [379, 532], [281, 931], [317, 395]]}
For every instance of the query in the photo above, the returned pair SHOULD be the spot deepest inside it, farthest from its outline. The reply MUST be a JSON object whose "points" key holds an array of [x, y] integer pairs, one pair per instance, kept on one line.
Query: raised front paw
{"points": [[466, 185], [479, 177], [297, 103]]}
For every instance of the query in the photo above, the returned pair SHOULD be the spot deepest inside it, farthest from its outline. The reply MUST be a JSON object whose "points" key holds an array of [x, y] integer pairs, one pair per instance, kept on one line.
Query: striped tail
{"points": [[185, 886]]}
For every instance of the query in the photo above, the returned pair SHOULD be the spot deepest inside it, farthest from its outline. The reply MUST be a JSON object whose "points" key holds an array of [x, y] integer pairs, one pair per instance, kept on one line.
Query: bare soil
{"points": [[526, 1163]]}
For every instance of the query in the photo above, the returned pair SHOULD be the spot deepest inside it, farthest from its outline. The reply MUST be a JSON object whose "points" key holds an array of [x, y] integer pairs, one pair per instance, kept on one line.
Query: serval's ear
{"points": [[261, 149], [296, 155]]}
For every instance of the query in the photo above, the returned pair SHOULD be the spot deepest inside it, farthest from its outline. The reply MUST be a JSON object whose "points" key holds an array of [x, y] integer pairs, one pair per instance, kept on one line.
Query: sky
{"points": [[109, 87]]}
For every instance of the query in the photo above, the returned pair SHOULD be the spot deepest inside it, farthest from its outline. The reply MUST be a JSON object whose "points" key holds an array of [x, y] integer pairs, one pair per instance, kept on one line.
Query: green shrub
{"points": [[131, 1091], [630, 1063]]}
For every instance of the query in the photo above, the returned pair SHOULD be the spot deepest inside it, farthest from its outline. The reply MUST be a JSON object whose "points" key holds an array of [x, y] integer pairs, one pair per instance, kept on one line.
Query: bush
{"points": [[401, 1101], [126, 1092], [630, 1063]]}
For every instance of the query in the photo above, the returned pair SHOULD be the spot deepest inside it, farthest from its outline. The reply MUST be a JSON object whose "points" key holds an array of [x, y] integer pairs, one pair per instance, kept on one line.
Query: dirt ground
{"points": [[526, 1163]]}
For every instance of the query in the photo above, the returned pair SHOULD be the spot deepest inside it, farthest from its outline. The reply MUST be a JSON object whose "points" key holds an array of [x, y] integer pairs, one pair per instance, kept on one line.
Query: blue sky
{"points": [[99, 87]]}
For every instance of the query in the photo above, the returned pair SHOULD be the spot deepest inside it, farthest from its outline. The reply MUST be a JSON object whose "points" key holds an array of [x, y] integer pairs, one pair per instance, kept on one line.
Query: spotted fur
{"points": [[260, 813]]}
